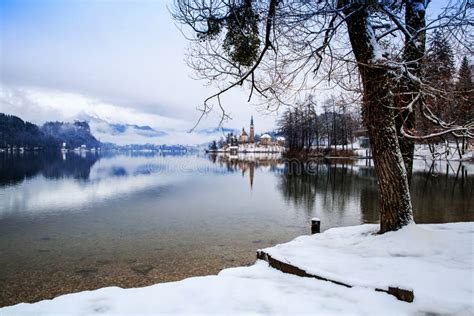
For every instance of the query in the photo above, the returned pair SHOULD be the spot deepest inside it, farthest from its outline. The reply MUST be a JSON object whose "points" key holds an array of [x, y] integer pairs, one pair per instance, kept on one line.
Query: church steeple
{"points": [[252, 131]]}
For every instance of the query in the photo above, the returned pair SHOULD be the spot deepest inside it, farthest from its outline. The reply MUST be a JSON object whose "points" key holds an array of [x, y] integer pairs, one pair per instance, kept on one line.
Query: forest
{"points": [[16, 133]]}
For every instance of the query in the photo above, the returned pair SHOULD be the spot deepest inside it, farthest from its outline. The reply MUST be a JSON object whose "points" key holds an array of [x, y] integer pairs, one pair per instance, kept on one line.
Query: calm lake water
{"points": [[71, 223]]}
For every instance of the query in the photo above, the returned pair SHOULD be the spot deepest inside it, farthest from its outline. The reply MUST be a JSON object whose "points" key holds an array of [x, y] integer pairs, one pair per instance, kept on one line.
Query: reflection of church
{"points": [[244, 138], [248, 165]]}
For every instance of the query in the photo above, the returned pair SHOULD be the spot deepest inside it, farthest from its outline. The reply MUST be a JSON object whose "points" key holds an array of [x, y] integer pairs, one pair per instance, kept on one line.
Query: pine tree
{"points": [[464, 89], [440, 61], [439, 73], [464, 76]]}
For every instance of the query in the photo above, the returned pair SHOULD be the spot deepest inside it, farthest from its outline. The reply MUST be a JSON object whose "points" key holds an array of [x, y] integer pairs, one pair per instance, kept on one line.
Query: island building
{"points": [[252, 131], [245, 138], [248, 142]]}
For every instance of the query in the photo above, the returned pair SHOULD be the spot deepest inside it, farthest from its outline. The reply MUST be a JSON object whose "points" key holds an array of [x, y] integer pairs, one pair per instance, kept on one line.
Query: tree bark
{"points": [[414, 51], [379, 118]]}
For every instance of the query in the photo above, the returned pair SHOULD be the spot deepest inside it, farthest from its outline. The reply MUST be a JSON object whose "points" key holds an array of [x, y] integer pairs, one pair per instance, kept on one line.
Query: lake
{"points": [[75, 222]]}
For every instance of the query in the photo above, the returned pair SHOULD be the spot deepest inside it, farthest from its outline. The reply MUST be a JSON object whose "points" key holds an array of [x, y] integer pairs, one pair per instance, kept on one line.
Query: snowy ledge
{"points": [[436, 261], [433, 261]]}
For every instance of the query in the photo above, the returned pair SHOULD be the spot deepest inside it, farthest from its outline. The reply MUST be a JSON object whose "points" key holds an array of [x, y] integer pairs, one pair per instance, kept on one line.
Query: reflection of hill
{"points": [[16, 168], [74, 166]]}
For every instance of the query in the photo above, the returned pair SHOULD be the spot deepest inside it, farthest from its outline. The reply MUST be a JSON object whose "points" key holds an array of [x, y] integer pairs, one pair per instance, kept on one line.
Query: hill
{"points": [[14, 132]]}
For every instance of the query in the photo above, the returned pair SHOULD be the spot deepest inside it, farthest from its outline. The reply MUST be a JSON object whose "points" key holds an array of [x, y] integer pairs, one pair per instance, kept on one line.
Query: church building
{"points": [[244, 138]]}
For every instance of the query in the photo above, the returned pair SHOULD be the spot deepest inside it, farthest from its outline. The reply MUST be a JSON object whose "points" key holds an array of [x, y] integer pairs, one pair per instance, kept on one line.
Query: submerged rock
{"points": [[142, 268], [87, 272], [103, 262]]}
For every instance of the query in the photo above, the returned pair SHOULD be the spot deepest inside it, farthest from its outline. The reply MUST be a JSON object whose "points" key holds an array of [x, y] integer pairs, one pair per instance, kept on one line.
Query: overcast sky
{"points": [[121, 60]]}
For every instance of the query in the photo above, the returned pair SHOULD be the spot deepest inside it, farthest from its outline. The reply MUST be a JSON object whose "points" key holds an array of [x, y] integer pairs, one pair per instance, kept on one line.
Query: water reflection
{"points": [[181, 215], [47, 182], [441, 191], [17, 168], [248, 163]]}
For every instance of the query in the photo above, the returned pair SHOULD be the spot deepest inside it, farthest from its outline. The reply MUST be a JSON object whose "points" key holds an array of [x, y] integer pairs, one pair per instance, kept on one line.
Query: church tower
{"points": [[252, 131]]}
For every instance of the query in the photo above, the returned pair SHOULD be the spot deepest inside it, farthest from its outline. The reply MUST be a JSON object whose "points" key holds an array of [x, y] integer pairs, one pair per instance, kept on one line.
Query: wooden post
{"points": [[315, 225]]}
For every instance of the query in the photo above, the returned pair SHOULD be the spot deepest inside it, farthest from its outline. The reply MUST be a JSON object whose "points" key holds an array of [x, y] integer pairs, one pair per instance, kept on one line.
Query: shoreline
{"points": [[261, 285]]}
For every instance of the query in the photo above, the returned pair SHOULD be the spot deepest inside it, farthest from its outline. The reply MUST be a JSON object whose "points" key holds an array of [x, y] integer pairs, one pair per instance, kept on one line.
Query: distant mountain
{"points": [[146, 131], [14, 132], [120, 133], [72, 134]]}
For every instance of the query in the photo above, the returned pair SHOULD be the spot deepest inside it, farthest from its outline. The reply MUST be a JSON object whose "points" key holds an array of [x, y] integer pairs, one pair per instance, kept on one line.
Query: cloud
{"points": [[109, 122], [59, 58], [57, 105]]}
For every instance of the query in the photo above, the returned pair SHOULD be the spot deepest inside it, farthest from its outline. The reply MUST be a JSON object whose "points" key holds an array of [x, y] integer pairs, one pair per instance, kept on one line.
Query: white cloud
{"points": [[131, 58], [57, 105], [41, 105]]}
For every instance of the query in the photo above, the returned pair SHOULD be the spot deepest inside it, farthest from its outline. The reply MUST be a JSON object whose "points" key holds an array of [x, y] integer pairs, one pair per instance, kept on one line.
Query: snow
{"points": [[253, 148], [376, 49], [250, 290], [435, 260], [443, 152]]}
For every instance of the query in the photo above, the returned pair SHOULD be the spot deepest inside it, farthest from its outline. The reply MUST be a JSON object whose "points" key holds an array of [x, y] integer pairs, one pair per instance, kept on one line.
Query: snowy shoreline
{"points": [[435, 260]]}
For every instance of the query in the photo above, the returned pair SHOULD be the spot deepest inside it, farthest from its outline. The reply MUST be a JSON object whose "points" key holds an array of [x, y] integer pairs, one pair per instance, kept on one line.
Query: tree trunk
{"points": [[379, 118], [414, 51]]}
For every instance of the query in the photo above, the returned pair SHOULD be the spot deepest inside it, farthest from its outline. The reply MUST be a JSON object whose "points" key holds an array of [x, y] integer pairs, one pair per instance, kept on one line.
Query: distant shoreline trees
{"points": [[307, 125], [14, 132]]}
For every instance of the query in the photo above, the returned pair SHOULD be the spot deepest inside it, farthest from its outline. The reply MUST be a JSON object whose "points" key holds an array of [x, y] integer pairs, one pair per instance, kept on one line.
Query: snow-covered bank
{"points": [[443, 151], [435, 260]]}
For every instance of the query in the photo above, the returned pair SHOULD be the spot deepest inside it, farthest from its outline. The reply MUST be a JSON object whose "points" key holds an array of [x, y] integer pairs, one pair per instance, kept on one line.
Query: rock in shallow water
{"points": [[142, 268], [87, 272]]}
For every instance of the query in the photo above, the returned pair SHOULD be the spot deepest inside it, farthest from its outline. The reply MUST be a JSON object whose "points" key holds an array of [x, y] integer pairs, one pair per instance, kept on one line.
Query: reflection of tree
{"points": [[298, 186], [16, 168], [334, 184], [443, 197], [369, 204]]}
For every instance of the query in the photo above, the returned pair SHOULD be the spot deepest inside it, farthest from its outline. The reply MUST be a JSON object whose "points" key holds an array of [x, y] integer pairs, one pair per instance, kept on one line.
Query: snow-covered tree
{"points": [[278, 49]]}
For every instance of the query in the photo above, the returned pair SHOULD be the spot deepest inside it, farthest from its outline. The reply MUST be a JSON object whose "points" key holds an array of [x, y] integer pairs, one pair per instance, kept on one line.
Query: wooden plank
{"points": [[400, 293]]}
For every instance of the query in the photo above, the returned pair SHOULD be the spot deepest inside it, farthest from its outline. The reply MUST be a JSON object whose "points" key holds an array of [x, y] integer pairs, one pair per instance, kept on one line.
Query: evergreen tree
{"points": [[440, 61], [213, 145], [465, 76], [464, 88], [439, 73]]}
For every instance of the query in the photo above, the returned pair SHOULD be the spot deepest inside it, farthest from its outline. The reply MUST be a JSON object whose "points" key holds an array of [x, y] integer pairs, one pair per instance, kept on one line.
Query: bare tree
{"points": [[300, 126], [280, 49]]}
